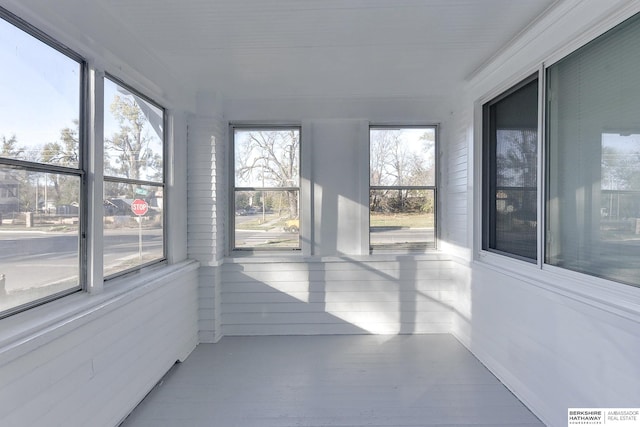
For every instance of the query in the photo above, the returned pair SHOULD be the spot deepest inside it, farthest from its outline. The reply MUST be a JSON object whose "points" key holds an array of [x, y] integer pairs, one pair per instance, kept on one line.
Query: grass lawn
{"points": [[270, 222], [424, 220]]}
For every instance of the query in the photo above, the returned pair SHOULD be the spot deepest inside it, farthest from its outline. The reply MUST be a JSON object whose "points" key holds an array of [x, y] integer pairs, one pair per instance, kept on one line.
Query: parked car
{"points": [[292, 225]]}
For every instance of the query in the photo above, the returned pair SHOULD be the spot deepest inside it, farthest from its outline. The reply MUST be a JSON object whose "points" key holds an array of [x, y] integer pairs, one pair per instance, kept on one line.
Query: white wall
{"points": [[337, 295], [333, 286], [87, 360], [555, 338]]}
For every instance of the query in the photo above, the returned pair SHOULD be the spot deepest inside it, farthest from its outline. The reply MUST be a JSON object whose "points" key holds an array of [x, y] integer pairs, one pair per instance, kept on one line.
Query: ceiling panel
{"points": [[292, 48]]}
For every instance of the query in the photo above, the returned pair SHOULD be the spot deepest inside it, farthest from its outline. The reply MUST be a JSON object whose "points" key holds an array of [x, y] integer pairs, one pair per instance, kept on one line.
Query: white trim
{"points": [[601, 26], [284, 258], [519, 40], [305, 202]]}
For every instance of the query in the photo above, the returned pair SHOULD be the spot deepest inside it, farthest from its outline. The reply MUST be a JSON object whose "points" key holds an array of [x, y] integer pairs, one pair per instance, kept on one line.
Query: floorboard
{"points": [[406, 380]]}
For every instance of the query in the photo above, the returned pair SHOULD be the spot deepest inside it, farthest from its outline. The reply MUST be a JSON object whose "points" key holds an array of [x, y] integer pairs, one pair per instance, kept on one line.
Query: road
{"points": [[30, 259], [276, 237]]}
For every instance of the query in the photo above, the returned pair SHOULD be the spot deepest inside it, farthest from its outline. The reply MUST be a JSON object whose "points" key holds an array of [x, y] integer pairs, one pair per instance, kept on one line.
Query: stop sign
{"points": [[139, 207]]}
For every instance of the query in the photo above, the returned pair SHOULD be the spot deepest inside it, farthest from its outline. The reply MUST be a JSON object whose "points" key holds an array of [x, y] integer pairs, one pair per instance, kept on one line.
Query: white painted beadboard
{"points": [[206, 204], [337, 296], [454, 195], [92, 367], [205, 140]]}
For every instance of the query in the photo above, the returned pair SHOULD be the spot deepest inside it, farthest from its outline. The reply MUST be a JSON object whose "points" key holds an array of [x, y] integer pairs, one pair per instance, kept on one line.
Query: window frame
{"points": [[114, 179], [233, 249], [434, 188], [608, 293], [489, 169], [79, 172]]}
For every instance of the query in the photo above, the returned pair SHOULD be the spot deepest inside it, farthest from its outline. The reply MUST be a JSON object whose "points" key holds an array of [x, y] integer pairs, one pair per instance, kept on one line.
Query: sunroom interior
{"points": [[174, 174]]}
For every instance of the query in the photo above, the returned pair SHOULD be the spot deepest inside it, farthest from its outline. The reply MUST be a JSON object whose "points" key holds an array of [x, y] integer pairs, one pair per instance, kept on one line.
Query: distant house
{"points": [[9, 193]]}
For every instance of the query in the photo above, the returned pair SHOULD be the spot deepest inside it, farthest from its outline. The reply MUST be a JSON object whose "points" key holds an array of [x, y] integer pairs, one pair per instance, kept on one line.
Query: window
{"points": [[593, 165], [41, 168], [510, 179], [133, 179], [266, 188], [402, 188]]}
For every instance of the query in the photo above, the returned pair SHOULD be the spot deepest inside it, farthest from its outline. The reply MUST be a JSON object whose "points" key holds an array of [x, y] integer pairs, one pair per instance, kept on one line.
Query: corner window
{"points": [[402, 188], [41, 168], [266, 188], [133, 180], [510, 178]]}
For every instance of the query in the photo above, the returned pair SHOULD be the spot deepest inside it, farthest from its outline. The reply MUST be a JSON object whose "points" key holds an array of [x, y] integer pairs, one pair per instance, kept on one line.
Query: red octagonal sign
{"points": [[139, 207]]}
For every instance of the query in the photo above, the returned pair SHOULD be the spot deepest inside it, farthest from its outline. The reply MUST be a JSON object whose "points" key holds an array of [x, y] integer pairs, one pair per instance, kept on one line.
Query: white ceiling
{"points": [[260, 49]]}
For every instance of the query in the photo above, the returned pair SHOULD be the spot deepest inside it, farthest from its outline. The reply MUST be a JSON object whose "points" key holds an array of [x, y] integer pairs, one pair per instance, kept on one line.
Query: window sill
{"points": [[289, 258], [612, 297], [35, 327]]}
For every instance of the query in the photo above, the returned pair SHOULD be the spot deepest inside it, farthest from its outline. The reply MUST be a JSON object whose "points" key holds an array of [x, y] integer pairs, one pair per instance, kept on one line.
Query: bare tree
{"points": [[394, 162], [64, 152], [10, 147], [131, 143], [270, 159]]}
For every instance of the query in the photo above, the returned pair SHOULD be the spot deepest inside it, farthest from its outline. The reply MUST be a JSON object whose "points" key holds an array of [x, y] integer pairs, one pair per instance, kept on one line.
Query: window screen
{"points": [[510, 172]]}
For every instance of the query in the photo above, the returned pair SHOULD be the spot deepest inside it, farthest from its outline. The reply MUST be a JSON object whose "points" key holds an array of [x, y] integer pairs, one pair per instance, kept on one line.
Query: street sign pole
{"points": [[139, 207], [140, 239]]}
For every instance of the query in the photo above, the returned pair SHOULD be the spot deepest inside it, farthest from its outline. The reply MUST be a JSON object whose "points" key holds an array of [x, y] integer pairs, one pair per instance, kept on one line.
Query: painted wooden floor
{"points": [[406, 380]]}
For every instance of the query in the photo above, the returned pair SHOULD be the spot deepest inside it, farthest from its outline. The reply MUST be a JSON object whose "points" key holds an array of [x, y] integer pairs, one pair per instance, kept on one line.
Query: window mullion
{"points": [[95, 178], [542, 155]]}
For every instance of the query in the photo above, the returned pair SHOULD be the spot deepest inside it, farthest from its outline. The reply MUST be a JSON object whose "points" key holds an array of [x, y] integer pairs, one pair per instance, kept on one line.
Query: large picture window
{"points": [[402, 188], [41, 168], [133, 180], [266, 188], [510, 179], [593, 164]]}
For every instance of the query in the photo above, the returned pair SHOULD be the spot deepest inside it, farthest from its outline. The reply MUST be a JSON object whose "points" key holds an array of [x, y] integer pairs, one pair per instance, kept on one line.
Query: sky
{"points": [[40, 91], [37, 111]]}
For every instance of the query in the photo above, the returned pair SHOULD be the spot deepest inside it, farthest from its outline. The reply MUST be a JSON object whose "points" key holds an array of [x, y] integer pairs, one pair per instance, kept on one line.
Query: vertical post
{"points": [[140, 238]]}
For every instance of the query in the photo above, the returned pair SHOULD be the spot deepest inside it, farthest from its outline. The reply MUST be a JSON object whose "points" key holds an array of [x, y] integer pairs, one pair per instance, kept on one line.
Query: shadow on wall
{"points": [[338, 295]]}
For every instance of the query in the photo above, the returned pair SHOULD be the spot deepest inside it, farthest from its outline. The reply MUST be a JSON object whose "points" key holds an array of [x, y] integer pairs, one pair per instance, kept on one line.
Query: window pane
{"points": [[402, 157], [593, 185], [267, 158], [402, 219], [133, 135], [40, 90], [511, 179], [131, 240], [267, 219], [39, 235]]}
